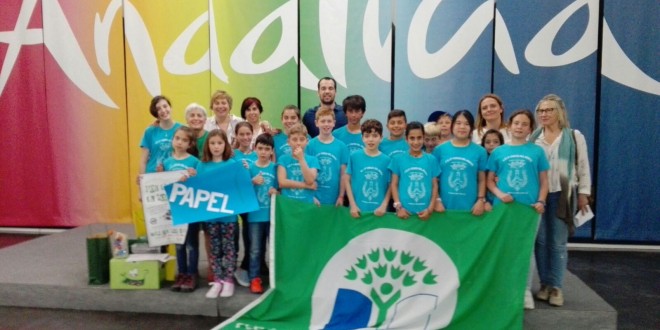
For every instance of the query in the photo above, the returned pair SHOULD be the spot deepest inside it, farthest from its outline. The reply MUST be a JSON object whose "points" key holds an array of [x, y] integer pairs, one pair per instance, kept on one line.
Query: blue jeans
{"points": [[187, 254], [551, 252], [258, 232]]}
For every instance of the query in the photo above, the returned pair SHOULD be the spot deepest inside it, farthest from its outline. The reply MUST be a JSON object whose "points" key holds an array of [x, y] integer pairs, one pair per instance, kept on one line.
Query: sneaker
{"points": [[190, 284], [255, 286], [242, 278], [227, 289], [556, 297], [178, 280], [544, 293], [214, 291], [529, 300]]}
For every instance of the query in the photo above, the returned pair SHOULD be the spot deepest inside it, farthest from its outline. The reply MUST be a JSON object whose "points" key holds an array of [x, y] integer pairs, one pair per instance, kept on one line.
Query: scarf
{"points": [[567, 156]]}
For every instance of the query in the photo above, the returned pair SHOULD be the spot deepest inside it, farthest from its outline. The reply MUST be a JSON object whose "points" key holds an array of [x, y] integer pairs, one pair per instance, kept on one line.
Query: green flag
{"points": [[454, 271]]}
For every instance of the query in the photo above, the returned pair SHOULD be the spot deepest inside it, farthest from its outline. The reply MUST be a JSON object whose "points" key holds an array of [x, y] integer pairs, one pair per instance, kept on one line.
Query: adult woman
{"points": [[156, 142], [195, 119], [251, 110], [566, 150], [490, 115], [221, 103]]}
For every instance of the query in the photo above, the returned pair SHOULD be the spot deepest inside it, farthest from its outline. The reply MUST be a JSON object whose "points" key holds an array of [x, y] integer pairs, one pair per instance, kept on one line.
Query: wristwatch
{"points": [[396, 205]]}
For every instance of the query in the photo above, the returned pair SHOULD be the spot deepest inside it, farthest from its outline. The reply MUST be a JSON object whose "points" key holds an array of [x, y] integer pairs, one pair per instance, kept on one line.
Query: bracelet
{"points": [[542, 202]]}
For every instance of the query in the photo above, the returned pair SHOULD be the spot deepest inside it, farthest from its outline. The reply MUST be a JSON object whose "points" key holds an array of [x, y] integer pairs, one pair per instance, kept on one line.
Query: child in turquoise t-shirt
{"points": [[296, 173], [463, 165], [332, 156], [414, 177], [367, 177]]}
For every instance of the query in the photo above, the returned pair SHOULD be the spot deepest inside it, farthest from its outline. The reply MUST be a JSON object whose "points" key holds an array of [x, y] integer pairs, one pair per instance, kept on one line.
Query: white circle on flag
{"points": [[387, 278]]}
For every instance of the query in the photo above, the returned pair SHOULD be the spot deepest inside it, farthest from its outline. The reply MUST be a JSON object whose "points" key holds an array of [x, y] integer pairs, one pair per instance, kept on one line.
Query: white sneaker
{"points": [[242, 277], [529, 299], [227, 289], [215, 289]]}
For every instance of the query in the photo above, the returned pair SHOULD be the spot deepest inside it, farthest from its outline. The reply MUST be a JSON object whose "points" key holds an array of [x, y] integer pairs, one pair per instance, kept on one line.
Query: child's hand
{"points": [[478, 208], [425, 215], [507, 198], [138, 179], [273, 191], [380, 211], [160, 168], [355, 212], [488, 207], [192, 171], [183, 178], [258, 180], [317, 202], [402, 213], [340, 201], [539, 207], [312, 186], [298, 153], [439, 207]]}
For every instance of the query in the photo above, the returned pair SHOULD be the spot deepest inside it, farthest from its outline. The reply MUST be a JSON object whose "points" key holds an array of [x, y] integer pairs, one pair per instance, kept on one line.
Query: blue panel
{"points": [[544, 72], [419, 87], [628, 182]]}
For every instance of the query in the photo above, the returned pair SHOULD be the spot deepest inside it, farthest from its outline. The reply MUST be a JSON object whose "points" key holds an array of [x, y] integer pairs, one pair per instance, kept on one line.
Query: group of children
{"points": [[417, 170]]}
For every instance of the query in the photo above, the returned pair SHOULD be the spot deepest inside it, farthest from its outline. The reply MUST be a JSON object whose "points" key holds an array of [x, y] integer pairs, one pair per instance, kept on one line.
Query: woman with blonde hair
{"points": [[221, 103], [569, 181]]}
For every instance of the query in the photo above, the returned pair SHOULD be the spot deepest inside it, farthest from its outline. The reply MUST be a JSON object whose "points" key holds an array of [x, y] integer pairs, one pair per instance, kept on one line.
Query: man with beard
{"points": [[327, 89]]}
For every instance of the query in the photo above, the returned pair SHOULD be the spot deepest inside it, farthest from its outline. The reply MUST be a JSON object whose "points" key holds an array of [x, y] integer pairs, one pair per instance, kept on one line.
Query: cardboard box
{"points": [[138, 275]]}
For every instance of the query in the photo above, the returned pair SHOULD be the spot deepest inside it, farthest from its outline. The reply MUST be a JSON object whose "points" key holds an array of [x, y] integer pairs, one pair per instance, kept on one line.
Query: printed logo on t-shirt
{"points": [[370, 188], [262, 191], [458, 179], [517, 177], [416, 189]]}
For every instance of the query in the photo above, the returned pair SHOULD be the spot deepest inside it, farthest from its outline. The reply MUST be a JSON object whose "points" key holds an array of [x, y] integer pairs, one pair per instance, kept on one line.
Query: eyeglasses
{"points": [[542, 111]]}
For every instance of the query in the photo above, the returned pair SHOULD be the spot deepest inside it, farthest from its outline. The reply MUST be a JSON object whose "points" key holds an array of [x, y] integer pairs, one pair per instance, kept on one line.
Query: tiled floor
{"points": [[629, 281]]}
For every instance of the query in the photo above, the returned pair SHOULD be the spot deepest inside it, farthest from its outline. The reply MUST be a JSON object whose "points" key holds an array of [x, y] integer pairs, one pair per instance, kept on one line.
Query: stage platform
{"points": [[51, 272]]}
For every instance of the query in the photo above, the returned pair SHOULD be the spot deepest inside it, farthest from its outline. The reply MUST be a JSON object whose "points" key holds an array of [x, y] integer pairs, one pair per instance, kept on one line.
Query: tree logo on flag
{"points": [[386, 278], [397, 271]]}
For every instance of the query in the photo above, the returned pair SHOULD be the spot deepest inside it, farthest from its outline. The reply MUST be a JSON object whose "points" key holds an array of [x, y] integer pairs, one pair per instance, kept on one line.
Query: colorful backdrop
{"points": [[76, 79]]}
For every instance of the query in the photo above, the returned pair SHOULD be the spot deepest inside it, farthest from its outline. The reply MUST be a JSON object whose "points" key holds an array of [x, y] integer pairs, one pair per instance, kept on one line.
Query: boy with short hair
{"points": [[367, 178], [332, 156], [264, 179], [431, 137], [296, 173], [354, 106], [395, 144]]}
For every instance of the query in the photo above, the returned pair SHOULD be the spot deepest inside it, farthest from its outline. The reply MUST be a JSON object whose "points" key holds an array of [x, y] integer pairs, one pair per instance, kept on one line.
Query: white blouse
{"points": [[581, 174], [211, 124]]}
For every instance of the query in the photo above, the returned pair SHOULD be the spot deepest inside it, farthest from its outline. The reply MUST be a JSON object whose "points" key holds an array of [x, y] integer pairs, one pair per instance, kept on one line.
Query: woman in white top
{"points": [[569, 181], [251, 110], [222, 119], [490, 115]]}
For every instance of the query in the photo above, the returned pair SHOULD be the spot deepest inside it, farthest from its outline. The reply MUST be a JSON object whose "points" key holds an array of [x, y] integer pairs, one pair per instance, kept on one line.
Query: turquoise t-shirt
{"points": [[352, 140], [370, 178], [393, 148], [173, 164], [293, 172], [459, 167], [204, 167], [249, 157], [159, 143], [517, 169], [415, 179], [281, 146], [331, 156], [269, 173]]}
